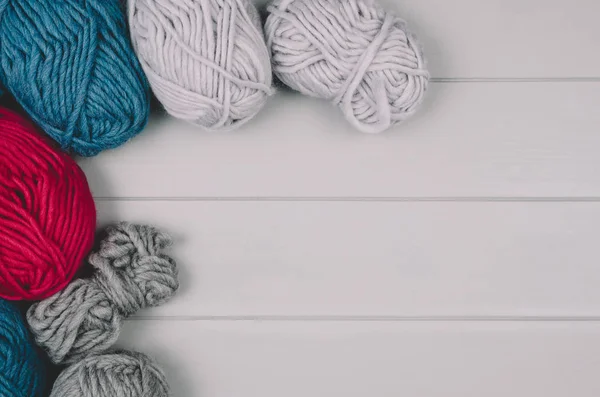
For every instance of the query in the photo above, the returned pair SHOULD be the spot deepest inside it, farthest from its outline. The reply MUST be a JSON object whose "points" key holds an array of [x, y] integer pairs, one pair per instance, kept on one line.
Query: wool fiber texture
{"points": [[351, 52], [206, 60], [118, 374], [22, 373], [132, 272], [70, 65], [47, 213]]}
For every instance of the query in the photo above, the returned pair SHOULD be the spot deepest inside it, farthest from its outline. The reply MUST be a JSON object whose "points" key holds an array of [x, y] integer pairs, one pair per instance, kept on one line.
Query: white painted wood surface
{"points": [[504, 39], [471, 139], [378, 259], [445, 359], [455, 256]]}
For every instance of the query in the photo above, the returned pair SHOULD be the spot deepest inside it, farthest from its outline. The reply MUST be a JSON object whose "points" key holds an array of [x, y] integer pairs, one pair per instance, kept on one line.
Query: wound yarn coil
{"points": [[351, 52], [47, 213], [70, 65], [131, 272], [117, 374], [22, 373], [206, 60]]}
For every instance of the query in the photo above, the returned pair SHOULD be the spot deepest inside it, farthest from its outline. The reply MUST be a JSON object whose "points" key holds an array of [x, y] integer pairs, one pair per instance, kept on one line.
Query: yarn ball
{"points": [[131, 272], [70, 65], [207, 61], [47, 213], [351, 52], [21, 370], [118, 374]]}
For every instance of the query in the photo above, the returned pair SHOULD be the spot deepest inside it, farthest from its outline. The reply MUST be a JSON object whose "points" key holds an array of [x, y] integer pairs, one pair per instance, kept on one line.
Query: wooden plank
{"points": [[378, 259], [480, 139], [504, 38], [298, 359]]}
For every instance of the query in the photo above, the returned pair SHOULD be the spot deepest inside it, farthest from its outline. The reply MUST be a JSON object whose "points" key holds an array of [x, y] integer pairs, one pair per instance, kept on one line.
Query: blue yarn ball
{"points": [[21, 370], [71, 66]]}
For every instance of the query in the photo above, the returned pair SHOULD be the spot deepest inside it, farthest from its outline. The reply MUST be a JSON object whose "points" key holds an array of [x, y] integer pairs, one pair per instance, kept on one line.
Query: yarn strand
{"points": [[132, 272], [70, 65], [47, 212], [352, 53], [116, 374], [22, 373], [352, 83], [206, 60]]}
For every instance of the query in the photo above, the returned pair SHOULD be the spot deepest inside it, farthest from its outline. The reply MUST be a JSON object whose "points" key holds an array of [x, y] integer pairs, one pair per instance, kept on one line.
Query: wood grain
{"points": [[455, 256], [257, 359], [475, 140], [378, 259], [533, 39]]}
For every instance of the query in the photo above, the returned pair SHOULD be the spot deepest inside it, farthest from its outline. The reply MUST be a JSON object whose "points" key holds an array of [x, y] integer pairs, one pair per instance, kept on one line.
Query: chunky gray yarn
{"points": [[351, 52], [131, 272], [118, 374], [206, 60]]}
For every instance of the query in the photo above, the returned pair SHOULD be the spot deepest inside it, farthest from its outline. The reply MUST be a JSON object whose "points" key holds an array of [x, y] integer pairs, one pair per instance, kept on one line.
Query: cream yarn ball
{"points": [[351, 52], [206, 60]]}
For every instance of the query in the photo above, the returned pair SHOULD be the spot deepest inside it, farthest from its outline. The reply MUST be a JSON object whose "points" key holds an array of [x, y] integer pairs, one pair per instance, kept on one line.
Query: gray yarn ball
{"points": [[352, 53], [207, 61], [119, 374], [131, 272]]}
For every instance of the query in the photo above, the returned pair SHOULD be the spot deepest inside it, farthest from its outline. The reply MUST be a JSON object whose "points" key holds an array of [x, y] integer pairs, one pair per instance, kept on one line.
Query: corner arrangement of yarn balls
{"points": [[47, 213], [71, 66], [117, 374], [22, 373], [351, 52], [132, 272], [207, 61]]}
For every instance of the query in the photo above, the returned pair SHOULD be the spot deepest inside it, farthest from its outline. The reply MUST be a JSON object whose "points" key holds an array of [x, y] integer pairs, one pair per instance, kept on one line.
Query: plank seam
{"points": [[588, 79], [364, 318], [353, 199]]}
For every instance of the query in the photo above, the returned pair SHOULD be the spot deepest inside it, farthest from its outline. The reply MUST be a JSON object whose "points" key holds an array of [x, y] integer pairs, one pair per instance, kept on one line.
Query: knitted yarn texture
{"points": [[131, 272], [351, 52], [47, 213], [206, 60], [70, 65], [21, 371], [118, 374]]}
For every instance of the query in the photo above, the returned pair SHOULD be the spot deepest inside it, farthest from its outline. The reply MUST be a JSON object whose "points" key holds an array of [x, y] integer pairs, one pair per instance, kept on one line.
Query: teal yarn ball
{"points": [[21, 370], [71, 66]]}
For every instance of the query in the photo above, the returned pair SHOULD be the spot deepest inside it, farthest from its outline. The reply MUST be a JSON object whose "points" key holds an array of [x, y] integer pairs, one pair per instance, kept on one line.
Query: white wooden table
{"points": [[456, 256]]}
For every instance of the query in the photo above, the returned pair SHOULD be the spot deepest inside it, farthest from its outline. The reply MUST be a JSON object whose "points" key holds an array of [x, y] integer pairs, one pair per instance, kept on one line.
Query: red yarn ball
{"points": [[47, 213]]}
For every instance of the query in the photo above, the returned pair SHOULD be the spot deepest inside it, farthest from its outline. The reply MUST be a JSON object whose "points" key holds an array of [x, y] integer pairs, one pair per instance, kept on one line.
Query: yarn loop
{"points": [[352, 53], [47, 213], [206, 60], [21, 370], [70, 65], [132, 273], [118, 374]]}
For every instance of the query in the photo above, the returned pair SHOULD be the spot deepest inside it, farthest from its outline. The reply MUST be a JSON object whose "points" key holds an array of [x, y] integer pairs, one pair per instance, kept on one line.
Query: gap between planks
{"points": [[444, 80], [371, 319], [357, 199]]}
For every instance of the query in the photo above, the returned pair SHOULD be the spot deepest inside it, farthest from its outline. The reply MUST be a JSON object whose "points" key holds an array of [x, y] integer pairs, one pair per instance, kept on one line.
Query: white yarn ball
{"points": [[351, 52], [206, 60]]}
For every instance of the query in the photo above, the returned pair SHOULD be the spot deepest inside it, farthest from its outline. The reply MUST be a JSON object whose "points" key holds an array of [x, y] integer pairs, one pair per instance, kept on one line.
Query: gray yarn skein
{"points": [[207, 61], [118, 374], [131, 272], [351, 52]]}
